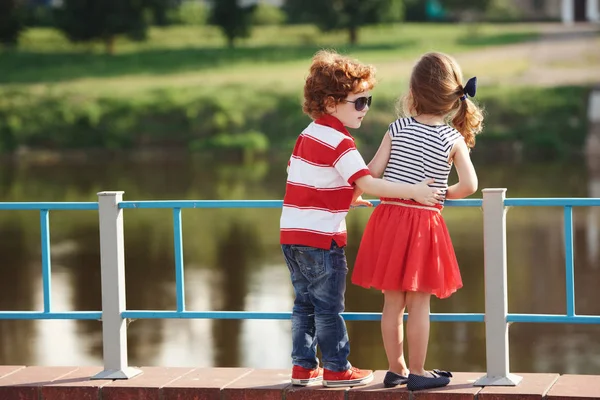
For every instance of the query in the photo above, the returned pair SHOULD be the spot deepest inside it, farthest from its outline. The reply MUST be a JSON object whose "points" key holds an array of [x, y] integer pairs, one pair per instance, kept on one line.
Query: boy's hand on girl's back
{"points": [[357, 199], [426, 195]]}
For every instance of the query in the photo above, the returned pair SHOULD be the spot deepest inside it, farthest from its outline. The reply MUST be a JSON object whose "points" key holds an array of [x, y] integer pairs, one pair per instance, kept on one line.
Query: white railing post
{"points": [[567, 12], [112, 263], [592, 13], [496, 297]]}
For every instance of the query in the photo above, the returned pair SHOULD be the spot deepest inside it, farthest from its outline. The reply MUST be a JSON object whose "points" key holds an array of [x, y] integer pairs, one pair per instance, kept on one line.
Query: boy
{"points": [[325, 175]]}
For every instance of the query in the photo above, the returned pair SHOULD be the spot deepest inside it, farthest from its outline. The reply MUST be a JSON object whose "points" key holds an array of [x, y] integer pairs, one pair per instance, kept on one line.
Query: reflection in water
{"points": [[150, 278], [18, 285], [71, 349], [233, 262], [237, 248], [83, 266]]}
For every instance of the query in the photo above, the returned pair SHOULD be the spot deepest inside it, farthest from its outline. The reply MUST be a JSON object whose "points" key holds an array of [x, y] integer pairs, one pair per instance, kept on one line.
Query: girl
{"points": [[406, 250]]}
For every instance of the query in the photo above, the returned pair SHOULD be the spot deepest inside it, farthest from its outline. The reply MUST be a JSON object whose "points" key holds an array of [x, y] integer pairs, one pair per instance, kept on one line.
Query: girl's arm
{"points": [[376, 168], [467, 178], [381, 158]]}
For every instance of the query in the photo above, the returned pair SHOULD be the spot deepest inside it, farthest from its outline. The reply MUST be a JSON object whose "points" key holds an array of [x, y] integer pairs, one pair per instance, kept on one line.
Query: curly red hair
{"points": [[332, 77]]}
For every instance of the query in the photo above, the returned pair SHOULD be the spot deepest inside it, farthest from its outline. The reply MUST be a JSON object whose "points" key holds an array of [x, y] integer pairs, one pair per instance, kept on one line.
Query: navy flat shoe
{"points": [[393, 379], [437, 379]]}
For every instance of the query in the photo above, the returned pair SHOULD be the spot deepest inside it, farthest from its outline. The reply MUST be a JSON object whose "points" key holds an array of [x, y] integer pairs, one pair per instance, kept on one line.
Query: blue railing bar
{"points": [[178, 250], [464, 203], [551, 318], [349, 316], [5, 315], [48, 206], [572, 202], [203, 204], [46, 263], [570, 281], [250, 203], [549, 202]]}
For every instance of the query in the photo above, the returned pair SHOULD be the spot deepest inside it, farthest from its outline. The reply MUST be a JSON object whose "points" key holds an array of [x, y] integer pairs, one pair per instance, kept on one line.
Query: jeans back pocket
{"points": [[311, 261]]}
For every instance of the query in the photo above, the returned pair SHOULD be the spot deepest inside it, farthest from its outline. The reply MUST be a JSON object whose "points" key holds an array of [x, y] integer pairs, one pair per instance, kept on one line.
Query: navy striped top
{"points": [[419, 152]]}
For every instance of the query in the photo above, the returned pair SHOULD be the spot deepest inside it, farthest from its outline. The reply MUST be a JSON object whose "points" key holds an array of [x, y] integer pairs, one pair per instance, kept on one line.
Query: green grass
{"points": [[45, 56], [184, 88]]}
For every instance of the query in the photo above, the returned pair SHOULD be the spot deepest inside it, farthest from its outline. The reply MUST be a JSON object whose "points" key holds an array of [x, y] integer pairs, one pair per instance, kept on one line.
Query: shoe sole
{"points": [[307, 382], [349, 383]]}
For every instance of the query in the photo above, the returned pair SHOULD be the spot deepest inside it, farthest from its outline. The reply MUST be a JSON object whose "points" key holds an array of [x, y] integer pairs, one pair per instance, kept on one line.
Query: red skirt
{"points": [[408, 249]]}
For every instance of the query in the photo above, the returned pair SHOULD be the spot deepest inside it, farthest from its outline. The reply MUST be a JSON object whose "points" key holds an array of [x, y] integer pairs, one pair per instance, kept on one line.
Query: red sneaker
{"points": [[304, 377], [350, 377]]}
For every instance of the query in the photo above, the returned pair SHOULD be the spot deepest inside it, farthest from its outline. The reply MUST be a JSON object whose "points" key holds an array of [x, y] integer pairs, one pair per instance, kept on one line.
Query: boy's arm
{"points": [[420, 192], [352, 168], [381, 158], [467, 177], [376, 168]]}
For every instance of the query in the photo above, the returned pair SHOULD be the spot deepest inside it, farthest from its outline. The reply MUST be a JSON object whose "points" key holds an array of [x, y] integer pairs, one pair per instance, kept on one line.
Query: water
{"points": [[233, 262]]}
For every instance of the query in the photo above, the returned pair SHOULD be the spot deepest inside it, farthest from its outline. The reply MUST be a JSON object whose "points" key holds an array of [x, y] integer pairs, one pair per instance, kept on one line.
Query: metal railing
{"points": [[114, 314]]}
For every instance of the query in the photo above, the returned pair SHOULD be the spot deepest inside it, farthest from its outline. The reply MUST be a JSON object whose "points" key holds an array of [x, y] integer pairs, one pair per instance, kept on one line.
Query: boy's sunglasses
{"points": [[361, 102]]}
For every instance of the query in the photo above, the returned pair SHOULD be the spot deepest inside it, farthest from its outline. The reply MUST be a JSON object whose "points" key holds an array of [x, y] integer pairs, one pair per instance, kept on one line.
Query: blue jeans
{"points": [[319, 280]]}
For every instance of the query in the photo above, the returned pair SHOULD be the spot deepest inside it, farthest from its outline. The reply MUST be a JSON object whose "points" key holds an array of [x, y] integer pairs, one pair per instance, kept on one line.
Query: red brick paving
{"points": [[376, 391], [25, 383], [75, 385], [145, 386], [532, 387], [158, 383], [202, 384], [575, 387], [9, 369], [259, 384], [460, 388]]}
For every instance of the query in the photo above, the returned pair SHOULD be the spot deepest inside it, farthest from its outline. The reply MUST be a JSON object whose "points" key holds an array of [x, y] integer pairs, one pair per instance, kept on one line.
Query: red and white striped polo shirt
{"points": [[324, 165]]}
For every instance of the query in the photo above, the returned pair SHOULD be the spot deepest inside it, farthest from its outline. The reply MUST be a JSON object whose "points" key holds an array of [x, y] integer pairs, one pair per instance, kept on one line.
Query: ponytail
{"points": [[468, 120]]}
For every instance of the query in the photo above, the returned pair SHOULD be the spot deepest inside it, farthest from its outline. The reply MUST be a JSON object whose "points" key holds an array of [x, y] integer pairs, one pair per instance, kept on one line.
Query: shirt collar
{"points": [[332, 122]]}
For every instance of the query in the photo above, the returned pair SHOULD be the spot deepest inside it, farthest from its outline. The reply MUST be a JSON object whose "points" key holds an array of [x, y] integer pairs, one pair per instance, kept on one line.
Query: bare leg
{"points": [[392, 330], [417, 331]]}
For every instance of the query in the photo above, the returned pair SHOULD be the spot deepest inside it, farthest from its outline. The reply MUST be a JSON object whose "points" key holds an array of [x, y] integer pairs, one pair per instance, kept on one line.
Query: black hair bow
{"points": [[470, 88]]}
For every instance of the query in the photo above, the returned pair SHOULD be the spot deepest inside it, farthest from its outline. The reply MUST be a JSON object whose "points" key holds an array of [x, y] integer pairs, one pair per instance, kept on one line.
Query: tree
{"points": [[162, 10], [234, 19], [11, 21], [89, 20], [345, 14]]}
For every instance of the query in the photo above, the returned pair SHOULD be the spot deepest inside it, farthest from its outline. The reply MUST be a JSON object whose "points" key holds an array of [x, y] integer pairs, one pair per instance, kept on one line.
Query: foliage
{"points": [[467, 9], [463, 5], [90, 20], [415, 10], [266, 14], [502, 11], [161, 10], [545, 122], [192, 13], [11, 21], [37, 15], [349, 15], [233, 19]]}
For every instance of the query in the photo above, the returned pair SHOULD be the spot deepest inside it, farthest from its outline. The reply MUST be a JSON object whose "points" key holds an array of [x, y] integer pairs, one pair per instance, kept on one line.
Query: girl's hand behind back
{"points": [[426, 195]]}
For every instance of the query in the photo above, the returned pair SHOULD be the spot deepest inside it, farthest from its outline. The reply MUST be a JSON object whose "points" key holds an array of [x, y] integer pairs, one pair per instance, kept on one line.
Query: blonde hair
{"points": [[436, 87], [332, 77]]}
